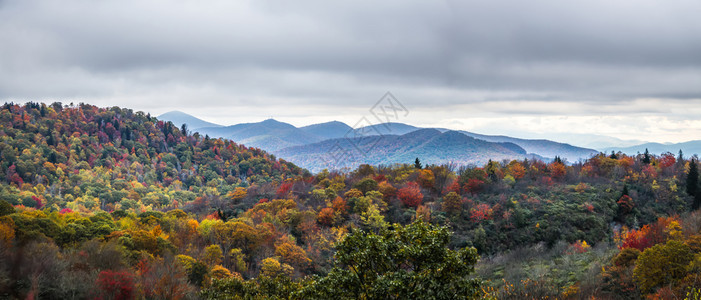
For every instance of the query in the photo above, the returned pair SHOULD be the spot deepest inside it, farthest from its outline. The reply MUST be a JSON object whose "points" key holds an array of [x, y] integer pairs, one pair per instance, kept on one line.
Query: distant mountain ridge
{"points": [[689, 148], [307, 145], [328, 130], [541, 147], [430, 145], [270, 135]]}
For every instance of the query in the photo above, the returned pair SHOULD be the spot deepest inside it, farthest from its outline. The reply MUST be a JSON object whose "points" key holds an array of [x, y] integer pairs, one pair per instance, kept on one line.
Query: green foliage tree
{"points": [[366, 185], [398, 263], [6, 208], [417, 164]]}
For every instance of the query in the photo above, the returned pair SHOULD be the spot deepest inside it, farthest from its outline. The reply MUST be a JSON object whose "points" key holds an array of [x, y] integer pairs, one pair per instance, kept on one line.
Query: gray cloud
{"points": [[186, 54]]}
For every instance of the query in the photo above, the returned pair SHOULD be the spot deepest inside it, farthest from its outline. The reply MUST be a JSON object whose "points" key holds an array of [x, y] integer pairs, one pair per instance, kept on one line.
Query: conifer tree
{"points": [[692, 183], [417, 164], [646, 157]]}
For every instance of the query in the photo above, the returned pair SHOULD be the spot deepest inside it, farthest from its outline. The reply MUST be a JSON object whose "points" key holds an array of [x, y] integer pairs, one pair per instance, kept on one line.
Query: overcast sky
{"points": [[629, 69]]}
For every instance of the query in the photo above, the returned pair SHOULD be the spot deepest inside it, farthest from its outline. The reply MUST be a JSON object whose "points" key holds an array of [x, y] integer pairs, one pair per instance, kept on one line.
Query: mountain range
{"points": [[431, 145], [689, 148], [319, 146]]}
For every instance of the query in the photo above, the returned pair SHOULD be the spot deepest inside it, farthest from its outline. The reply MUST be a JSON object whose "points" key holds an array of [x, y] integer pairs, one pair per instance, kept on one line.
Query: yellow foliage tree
{"points": [[662, 264], [237, 194], [212, 255]]}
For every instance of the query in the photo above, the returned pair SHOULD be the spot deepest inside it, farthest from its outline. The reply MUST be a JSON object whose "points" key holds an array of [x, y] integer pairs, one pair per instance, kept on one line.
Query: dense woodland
{"points": [[107, 203]]}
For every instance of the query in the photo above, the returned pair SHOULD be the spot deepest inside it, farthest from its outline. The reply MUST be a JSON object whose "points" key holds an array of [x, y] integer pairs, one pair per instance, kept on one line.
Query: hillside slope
{"points": [[88, 157]]}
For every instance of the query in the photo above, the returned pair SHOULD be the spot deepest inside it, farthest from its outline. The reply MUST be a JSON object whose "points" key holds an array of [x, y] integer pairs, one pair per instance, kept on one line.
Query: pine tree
{"points": [[417, 164], [183, 129], [646, 157], [692, 183]]}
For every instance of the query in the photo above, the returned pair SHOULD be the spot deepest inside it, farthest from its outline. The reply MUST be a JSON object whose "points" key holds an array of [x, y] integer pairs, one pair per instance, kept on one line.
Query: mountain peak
{"points": [[178, 118]]}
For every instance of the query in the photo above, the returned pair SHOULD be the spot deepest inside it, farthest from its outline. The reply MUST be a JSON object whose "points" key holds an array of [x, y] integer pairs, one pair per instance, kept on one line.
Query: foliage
{"points": [[401, 263], [85, 190], [662, 264]]}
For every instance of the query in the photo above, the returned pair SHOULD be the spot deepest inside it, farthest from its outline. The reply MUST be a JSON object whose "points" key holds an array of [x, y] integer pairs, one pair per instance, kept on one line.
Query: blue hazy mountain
{"points": [[430, 145], [328, 130], [399, 142], [179, 118], [688, 148]]}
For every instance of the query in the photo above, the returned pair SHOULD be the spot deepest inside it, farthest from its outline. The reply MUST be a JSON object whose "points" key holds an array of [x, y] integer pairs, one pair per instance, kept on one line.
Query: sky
{"points": [[630, 69]]}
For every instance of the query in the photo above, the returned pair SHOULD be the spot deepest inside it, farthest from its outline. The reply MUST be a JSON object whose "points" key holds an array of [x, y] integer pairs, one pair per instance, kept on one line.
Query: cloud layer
{"points": [[450, 62]]}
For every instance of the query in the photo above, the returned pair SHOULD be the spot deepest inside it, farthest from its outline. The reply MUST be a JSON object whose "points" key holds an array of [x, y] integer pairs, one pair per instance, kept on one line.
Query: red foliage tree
{"points": [[667, 160], [474, 185], [284, 189], [39, 204], [115, 285], [480, 213], [411, 195], [454, 186], [648, 236]]}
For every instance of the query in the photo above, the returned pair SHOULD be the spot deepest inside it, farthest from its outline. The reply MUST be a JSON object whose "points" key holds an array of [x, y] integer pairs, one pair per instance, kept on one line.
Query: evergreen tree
{"points": [[613, 155], [646, 157], [692, 183], [183, 129], [417, 164]]}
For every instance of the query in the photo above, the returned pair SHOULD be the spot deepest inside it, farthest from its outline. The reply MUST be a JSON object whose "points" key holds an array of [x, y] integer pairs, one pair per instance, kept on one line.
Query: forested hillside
{"points": [[85, 158], [113, 204]]}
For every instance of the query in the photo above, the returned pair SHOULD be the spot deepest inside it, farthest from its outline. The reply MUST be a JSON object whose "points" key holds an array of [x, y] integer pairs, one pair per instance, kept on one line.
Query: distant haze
{"points": [[625, 69]]}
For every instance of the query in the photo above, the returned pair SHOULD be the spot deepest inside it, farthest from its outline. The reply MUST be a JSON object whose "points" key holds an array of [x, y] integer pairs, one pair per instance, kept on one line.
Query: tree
{"points": [[417, 164], [692, 181], [452, 203], [237, 194], [213, 255], [6, 208], [115, 285], [625, 206], [646, 157], [366, 185], [183, 129], [398, 263], [662, 264], [426, 178], [411, 195]]}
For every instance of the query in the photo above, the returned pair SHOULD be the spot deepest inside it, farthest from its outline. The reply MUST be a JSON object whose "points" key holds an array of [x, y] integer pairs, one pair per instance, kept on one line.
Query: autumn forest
{"points": [[109, 203]]}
